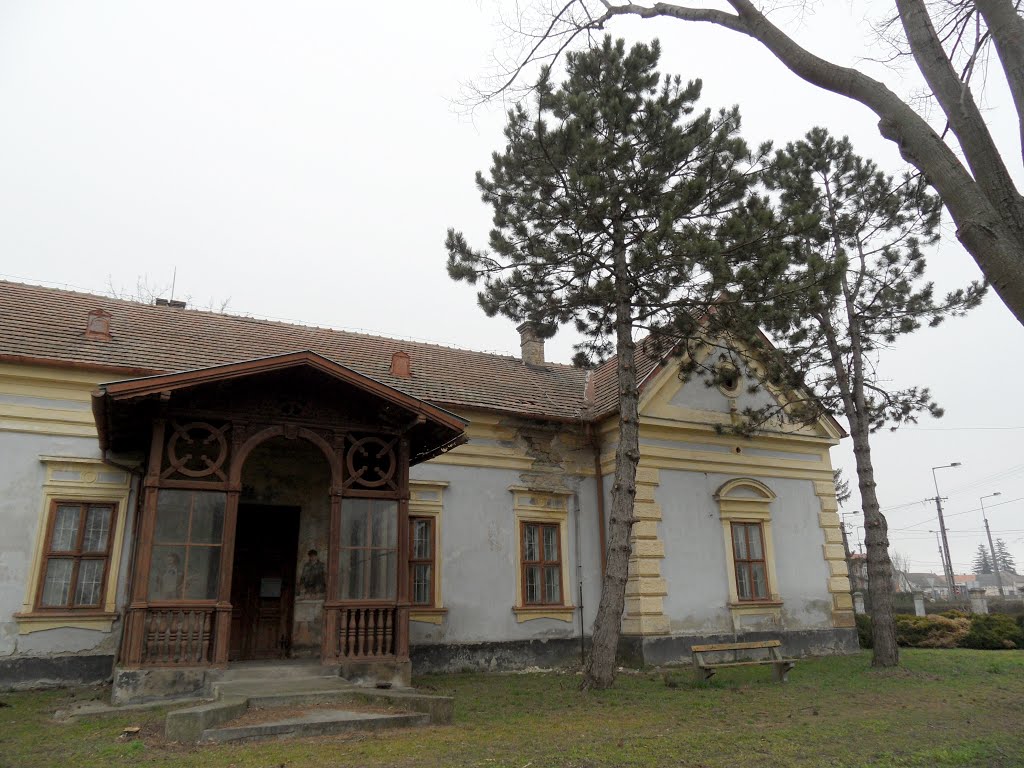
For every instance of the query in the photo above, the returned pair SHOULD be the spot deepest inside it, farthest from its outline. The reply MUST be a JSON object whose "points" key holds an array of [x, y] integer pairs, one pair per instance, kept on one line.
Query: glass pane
{"points": [[754, 542], [384, 519], [172, 510], [353, 574], [532, 584], [739, 541], [97, 529], [167, 573], [353, 522], [421, 585], [550, 543], [382, 574], [743, 582], [421, 549], [760, 581], [552, 585], [530, 550], [90, 581], [65, 529], [207, 517], [57, 582], [202, 573]]}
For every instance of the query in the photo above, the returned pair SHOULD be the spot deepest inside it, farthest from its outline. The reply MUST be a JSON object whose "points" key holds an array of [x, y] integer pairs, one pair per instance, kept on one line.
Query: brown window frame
{"points": [[188, 545], [430, 561], [748, 562], [76, 554], [541, 563]]}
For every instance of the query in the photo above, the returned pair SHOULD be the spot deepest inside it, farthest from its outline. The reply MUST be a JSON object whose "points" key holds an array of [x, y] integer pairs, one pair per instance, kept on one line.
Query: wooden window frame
{"points": [[76, 554], [541, 563], [342, 549], [188, 546], [430, 560], [747, 563], [546, 507]]}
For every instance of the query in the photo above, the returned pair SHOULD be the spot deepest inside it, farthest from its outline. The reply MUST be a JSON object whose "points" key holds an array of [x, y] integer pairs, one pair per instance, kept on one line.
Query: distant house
{"points": [[185, 489], [931, 585], [1012, 584]]}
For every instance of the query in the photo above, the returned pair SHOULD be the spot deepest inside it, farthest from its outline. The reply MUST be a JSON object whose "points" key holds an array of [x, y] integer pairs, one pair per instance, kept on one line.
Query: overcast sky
{"points": [[303, 160]]}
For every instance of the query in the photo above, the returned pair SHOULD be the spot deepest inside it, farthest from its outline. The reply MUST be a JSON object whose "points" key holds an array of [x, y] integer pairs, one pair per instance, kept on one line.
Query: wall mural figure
{"points": [[313, 581]]}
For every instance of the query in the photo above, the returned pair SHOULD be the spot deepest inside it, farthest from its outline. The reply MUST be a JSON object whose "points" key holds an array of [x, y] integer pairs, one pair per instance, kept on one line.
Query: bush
{"points": [[864, 630], [993, 632], [931, 631]]}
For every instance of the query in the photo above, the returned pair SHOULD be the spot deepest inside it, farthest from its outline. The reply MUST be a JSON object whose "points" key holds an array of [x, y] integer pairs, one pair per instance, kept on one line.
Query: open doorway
{"points": [[263, 581]]}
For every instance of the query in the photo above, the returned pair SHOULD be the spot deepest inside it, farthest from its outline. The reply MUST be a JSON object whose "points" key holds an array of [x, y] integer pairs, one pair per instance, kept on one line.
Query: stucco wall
{"points": [[695, 557], [22, 476], [480, 562]]}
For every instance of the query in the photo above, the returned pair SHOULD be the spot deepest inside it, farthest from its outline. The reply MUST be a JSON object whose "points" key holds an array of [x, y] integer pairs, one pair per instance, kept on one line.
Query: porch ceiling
{"points": [[124, 409]]}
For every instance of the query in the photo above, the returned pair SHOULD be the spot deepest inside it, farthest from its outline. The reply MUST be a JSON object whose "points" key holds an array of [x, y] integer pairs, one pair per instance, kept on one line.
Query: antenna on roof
{"points": [[174, 279]]}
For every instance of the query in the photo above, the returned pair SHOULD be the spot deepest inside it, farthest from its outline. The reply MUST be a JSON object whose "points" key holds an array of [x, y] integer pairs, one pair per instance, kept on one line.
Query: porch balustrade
{"points": [[178, 636], [368, 632]]}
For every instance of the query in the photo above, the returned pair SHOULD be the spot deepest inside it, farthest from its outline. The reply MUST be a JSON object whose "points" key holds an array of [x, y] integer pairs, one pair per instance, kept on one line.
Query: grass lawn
{"points": [[941, 708]]}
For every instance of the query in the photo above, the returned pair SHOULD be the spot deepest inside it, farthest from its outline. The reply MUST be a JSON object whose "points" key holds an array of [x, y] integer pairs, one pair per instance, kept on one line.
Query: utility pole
{"points": [[995, 563], [942, 557], [947, 563]]}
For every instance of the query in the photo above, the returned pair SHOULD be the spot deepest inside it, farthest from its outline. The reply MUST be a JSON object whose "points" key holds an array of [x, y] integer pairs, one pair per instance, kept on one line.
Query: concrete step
{"points": [[276, 670], [249, 687], [321, 722]]}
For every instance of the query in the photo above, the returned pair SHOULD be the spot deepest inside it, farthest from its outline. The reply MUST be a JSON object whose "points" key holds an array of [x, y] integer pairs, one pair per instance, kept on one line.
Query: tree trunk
{"points": [[600, 668], [885, 652]]}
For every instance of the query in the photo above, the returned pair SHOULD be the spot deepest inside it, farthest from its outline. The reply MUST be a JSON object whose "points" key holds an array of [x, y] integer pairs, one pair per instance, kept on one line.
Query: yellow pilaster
{"points": [[835, 555], [645, 589]]}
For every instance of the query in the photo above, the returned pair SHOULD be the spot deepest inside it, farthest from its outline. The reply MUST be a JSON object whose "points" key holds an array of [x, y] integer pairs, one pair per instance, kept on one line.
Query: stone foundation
{"points": [[54, 671]]}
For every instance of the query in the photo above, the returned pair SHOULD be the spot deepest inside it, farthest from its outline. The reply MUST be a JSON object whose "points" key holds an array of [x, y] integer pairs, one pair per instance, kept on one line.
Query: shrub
{"points": [[931, 631], [864, 630], [993, 631]]}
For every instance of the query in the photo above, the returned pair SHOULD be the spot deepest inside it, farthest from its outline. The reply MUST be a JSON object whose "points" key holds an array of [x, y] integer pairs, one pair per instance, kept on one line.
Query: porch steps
{"points": [[246, 688], [323, 722]]}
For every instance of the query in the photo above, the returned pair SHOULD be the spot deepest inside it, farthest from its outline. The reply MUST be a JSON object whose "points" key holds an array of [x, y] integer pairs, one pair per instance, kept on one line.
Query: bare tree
{"points": [[946, 39]]}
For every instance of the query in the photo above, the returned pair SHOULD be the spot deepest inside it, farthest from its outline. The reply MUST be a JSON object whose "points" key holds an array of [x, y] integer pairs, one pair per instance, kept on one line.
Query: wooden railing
{"points": [[367, 632], [178, 636]]}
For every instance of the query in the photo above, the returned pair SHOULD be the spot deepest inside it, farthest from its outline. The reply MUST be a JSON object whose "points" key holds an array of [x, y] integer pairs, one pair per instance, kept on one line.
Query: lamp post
{"points": [[995, 563], [947, 563]]}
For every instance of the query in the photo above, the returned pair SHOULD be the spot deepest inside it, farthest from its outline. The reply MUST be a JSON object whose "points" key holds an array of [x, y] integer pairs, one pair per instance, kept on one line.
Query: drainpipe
{"points": [[579, 572], [595, 442]]}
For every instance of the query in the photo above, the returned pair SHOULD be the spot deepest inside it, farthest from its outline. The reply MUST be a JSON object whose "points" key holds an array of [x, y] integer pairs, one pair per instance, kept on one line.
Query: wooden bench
{"points": [[705, 670]]}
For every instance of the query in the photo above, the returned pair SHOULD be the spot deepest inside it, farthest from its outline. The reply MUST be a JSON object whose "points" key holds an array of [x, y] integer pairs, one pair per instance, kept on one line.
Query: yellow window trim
{"points": [[542, 506], [737, 505], [71, 478], [426, 499]]}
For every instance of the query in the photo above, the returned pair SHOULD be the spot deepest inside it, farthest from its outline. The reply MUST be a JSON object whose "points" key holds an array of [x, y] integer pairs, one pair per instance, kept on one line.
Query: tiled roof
{"points": [[49, 324], [604, 389]]}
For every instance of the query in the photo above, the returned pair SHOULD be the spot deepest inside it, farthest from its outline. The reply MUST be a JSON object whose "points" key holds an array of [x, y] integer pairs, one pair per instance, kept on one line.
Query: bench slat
{"points": [[744, 663], [735, 646]]}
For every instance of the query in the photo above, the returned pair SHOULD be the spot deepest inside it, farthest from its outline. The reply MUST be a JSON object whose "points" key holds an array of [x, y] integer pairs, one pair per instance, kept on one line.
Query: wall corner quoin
{"points": [[645, 586], [834, 553]]}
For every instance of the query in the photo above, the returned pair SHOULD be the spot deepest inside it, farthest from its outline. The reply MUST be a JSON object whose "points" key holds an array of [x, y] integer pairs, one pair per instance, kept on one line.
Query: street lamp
{"points": [[947, 563], [995, 563]]}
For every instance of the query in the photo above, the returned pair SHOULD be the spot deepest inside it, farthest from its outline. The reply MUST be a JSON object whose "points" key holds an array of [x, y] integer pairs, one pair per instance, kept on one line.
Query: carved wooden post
{"points": [[402, 608]]}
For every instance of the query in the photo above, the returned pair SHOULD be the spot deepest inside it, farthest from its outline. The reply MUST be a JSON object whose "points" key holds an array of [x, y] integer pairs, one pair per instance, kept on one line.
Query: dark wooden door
{"points": [[263, 581]]}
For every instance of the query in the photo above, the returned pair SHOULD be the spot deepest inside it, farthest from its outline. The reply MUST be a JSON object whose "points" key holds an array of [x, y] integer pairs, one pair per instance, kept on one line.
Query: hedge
{"points": [[953, 630]]}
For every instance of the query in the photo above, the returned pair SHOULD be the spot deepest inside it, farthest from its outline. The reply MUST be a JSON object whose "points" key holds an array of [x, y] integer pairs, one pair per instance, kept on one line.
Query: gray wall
{"points": [[695, 559], [22, 476], [480, 564]]}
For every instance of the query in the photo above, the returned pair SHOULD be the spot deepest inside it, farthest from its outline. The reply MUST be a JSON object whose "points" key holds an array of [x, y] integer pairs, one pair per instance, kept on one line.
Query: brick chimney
{"points": [[531, 344], [401, 365], [97, 325]]}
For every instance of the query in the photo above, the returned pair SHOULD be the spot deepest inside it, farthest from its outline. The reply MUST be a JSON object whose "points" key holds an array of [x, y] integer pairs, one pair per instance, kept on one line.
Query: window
{"points": [[426, 513], [542, 533], [369, 549], [421, 561], [187, 545], [748, 556], [542, 564], [77, 556]]}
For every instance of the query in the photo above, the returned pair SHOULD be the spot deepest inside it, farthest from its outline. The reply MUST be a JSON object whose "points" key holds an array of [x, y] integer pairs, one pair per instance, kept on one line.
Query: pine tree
{"points": [[1004, 558], [848, 283], [608, 206], [982, 561]]}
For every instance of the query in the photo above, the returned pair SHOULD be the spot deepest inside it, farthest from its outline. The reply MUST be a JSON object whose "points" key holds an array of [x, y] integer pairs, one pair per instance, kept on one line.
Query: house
{"points": [[1012, 584], [184, 489], [933, 586]]}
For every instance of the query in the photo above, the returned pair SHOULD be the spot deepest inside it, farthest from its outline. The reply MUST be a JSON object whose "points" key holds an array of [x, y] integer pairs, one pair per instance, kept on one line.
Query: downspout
{"points": [[579, 573], [595, 442]]}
